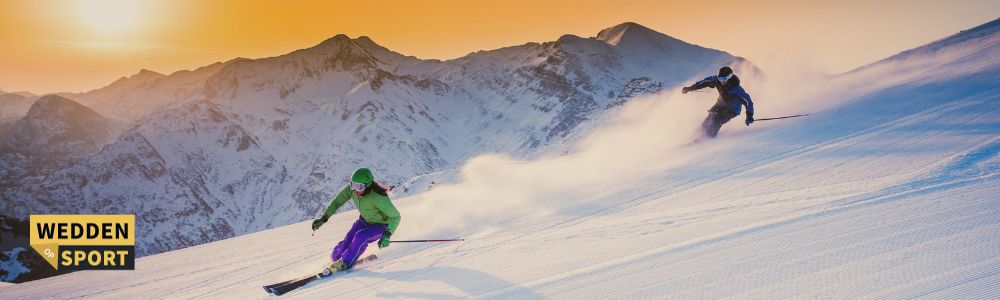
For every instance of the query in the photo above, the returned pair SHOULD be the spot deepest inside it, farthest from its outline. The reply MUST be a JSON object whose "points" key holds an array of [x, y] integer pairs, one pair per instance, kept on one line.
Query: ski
{"points": [[281, 288]]}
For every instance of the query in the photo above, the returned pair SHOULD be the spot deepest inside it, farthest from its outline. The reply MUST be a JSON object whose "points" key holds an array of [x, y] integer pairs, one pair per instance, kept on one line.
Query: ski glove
{"points": [[384, 242], [317, 223], [749, 119], [685, 90]]}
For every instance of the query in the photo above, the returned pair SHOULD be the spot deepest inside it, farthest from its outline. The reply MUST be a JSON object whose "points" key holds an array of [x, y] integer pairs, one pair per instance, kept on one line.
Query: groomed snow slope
{"points": [[891, 193]]}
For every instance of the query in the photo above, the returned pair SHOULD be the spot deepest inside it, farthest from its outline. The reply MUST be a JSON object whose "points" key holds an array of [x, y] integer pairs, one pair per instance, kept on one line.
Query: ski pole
{"points": [[428, 241], [778, 118]]}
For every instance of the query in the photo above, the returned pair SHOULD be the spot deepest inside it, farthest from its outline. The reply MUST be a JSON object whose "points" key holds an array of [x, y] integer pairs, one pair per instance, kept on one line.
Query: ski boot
{"points": [[333, 268]]}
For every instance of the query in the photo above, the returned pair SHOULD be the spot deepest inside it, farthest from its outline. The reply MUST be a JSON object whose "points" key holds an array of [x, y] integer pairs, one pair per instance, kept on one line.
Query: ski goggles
{"points": [[723, 79], [358, 187]]}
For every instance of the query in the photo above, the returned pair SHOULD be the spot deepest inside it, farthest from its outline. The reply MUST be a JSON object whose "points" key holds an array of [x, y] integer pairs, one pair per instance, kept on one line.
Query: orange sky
{"points": [[78, 45]]}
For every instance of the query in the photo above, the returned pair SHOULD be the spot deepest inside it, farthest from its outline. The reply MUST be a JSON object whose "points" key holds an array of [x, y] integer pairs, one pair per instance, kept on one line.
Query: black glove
{"points": [[317, 223], [685, 90], [749, 118], [384, 242]]}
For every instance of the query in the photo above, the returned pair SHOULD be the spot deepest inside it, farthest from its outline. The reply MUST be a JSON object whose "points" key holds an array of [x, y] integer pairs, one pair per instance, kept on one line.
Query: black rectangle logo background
{"points": [[129, 258]]}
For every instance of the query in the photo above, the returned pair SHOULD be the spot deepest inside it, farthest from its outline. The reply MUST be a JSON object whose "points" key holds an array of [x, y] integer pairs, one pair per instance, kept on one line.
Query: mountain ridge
{"points": [[250, 144], [53, 133]]}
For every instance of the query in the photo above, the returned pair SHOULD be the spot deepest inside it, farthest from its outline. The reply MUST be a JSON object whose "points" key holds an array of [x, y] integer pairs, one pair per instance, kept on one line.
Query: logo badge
{"points": [[85, 242]]}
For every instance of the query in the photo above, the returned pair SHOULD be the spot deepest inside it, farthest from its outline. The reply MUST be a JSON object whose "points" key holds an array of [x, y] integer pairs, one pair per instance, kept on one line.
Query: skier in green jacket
{"points": [[378, 220]]}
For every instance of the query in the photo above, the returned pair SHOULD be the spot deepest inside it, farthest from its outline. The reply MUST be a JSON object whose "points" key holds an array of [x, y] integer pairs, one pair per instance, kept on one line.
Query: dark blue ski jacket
{"points": [[731, 95]]}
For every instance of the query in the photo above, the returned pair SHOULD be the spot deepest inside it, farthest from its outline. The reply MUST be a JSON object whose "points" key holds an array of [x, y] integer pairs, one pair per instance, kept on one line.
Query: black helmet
{"points": [[725, 71], [725, 74]]}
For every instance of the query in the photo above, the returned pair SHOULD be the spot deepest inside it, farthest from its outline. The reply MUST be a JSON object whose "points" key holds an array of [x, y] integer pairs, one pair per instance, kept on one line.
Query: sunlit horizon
{"points": [[80, 45]]}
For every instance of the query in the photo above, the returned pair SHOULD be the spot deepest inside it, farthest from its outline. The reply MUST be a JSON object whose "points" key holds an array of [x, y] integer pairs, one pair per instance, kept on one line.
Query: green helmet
{"points": [[363, 175]]}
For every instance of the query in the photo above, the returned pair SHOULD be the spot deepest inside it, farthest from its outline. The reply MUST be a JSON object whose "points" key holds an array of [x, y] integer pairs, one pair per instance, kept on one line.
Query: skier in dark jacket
{"points": [[378, 219], [728, 106]]}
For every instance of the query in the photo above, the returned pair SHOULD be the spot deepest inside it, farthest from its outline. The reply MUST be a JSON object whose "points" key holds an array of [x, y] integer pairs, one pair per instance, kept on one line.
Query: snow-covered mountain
{"points": [[953, 56], [131, 98], [889, 191], [159, 173], [54, 132], [251, 144]]}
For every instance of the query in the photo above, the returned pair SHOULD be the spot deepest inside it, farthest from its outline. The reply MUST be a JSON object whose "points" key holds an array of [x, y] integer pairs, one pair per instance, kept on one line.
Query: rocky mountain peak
{"points": [[615, 35], [55, 131], [55, 107], [337, 40]]}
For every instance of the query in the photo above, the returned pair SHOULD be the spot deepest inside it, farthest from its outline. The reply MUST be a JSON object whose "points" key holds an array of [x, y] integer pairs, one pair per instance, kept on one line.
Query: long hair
{"points": [[377, 188]]}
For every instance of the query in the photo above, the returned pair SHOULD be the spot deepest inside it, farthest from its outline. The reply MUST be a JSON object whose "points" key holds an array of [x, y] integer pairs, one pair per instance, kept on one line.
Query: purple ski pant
{"points": [[356, 241]]}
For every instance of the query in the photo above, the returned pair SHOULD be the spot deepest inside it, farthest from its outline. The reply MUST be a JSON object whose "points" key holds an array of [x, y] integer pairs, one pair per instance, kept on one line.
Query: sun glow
{"points": [[109, 17]]}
